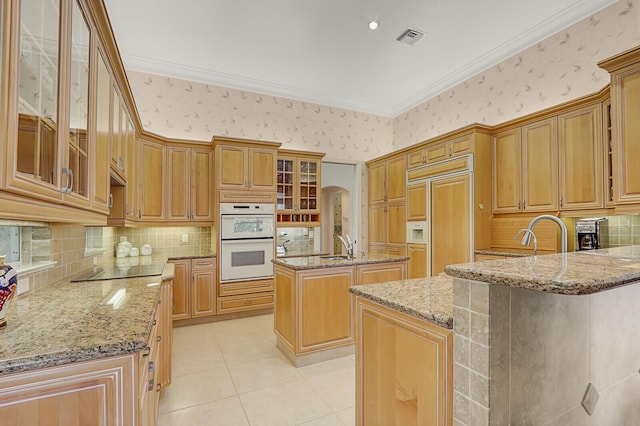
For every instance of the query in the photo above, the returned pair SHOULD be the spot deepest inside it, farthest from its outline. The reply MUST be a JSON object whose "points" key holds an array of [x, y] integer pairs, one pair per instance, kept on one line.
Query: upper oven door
{"points": [[248, 226]]}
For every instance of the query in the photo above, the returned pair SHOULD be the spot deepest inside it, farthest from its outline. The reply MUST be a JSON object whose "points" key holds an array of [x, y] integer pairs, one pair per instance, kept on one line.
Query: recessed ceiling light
{"points": [[373, 25]]}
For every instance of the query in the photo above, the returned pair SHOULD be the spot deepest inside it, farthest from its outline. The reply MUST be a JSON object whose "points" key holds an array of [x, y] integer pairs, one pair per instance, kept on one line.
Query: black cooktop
{"points": [[117, 272]]}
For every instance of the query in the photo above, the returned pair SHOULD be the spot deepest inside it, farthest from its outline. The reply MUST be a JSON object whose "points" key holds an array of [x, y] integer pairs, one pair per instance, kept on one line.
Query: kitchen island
{"points": [[314, 318], [548, 340], [88, 352]]}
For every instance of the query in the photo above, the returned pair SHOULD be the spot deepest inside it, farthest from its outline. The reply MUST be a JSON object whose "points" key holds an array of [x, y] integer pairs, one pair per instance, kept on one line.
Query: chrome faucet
{"points": [[535, 240], [347, 246], [563, 231]]}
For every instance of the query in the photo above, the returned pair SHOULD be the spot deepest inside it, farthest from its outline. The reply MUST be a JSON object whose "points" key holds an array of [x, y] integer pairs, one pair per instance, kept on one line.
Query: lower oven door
{"points": [[246, 259]]}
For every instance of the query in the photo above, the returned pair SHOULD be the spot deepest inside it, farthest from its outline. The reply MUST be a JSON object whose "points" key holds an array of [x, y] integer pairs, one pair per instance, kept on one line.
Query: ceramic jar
{"points": [[8, 288]]}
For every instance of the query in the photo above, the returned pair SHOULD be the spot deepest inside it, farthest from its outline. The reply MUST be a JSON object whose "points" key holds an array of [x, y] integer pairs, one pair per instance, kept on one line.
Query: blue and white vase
{"points": [[8, 287]]}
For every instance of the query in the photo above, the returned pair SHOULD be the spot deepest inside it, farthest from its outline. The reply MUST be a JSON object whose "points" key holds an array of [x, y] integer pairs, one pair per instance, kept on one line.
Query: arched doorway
{"points": [[336, 217]]}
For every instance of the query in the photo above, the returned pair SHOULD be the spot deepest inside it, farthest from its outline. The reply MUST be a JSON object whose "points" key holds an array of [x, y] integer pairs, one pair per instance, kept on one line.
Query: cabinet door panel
{"points": [[377, 178], [451, 236], [396, 178], [417, 202], [232, 167], [628, 136], [506, 171], [461, 145], [262, 171], [203, 293], [437, 152], [103, 135], [152, 180], [179, 186], [417, 264], [181, 282], [322, 297], [396, 224], [377, 224], [581, 158], [202, 185], [540, 169]]}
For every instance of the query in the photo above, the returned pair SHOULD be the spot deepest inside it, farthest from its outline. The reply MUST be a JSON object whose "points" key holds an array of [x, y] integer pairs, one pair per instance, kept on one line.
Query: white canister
{"points": [[134, 252], [145, 250]]}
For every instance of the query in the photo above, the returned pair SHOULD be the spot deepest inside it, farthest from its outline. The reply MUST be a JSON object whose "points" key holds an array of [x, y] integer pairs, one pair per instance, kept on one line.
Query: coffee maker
{"points": [[589, 233]]}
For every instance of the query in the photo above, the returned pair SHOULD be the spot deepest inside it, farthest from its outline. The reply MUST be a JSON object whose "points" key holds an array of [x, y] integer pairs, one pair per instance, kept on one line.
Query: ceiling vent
{"points": [[410, 36]]}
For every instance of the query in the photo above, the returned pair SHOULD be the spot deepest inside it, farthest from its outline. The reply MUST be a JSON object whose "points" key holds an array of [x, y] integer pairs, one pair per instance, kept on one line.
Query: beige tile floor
{"points": [[231, 373]]}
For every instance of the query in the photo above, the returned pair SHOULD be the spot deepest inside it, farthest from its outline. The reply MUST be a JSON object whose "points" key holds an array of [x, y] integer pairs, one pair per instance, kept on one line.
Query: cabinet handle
{"points": [[560, 201], [158, 387], [139, 213], [158, 338], [519, 204], [146, 352], [424, 159], [110, 200], [524, 204], [69, 185]]}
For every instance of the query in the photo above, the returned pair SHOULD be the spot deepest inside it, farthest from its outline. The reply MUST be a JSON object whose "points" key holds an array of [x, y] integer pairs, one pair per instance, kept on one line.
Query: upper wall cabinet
{"points": [[525, 172], [581, 164], [34, 163], [246, 166], [387, 180], [625, 125], [152, 174], [103, 133], [439, 151], [190, 184], [298, 198]]}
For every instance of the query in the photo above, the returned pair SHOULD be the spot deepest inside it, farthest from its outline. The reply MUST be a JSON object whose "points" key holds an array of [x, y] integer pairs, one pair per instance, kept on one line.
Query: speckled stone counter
{"points": [[68, 322], [292, 253], [505, 252], [429, 299], [583, 272], [316, 262]]}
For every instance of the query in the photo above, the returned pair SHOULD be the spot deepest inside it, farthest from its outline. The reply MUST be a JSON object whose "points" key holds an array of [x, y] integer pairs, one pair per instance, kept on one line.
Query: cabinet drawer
{"points": [[204, 263], [246, 287], [244, 303]]}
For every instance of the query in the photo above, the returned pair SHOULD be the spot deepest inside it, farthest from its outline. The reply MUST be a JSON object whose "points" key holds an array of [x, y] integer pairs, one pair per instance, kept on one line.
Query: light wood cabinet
{"points": [[581, 163], [190, 183], [625, 126], [314, 309], [450, 225], [243, 296], [387, 204], [481, 257], [152, 175], [404, 369], [417, 201], [525, 177], [245, 165], [132, 209], [439, 151], [103, 135], [417, 264], [299, 190], [166, 333], [194, 288], [380, 272], [72, 394]]}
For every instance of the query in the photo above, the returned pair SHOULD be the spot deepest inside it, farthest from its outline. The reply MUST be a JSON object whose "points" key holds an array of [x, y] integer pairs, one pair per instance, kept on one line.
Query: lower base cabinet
{"points": [[113, 391], [244, 296], [404, 369], [194, 288]]}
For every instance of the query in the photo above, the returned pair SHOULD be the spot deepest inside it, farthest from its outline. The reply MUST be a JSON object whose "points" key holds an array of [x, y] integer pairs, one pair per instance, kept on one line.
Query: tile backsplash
{"points": [[622, 231], [168, 240]]}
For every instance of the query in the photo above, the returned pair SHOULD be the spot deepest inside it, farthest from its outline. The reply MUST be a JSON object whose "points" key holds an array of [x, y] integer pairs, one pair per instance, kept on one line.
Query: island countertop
{"points": [[316, 262], [429, 299], [582, 272]]}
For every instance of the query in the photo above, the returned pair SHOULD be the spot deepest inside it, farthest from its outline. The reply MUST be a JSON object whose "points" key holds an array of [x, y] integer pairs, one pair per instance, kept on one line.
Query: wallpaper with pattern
{"points": [[558, 69]]}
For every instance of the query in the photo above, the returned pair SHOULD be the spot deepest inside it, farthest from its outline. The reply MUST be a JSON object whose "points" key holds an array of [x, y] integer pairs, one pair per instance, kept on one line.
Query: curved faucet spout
{"points": [[560, 223], [526, 239]]}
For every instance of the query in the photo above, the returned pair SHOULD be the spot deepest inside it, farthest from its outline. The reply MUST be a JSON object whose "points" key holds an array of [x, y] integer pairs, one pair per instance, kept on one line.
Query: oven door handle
{"points": [[246, 240]]}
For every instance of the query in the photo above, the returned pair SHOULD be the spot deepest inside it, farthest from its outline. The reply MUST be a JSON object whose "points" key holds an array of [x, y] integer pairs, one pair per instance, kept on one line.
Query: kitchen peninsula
{"points": [[548, 340], [314, 319]]}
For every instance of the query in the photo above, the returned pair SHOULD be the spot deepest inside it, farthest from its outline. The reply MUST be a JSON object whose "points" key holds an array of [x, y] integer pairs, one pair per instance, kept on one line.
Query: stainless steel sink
{"points": [[334, 257]]}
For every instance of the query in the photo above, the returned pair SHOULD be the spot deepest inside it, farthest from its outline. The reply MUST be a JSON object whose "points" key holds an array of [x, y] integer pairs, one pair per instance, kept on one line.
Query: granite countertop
{"points": [[429, 299], [582, 272], [292, 253], [68, 322], [505, 252], [316, 262]]}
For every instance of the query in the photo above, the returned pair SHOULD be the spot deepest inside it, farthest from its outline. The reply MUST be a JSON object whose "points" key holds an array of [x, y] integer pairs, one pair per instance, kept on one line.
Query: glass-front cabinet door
{"points": [[299, 188], [78, 139], [34, 157]]}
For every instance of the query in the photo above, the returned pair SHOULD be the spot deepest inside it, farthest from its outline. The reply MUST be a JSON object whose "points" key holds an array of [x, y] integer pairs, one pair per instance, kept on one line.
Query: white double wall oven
{"points": [[247, 233]]}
